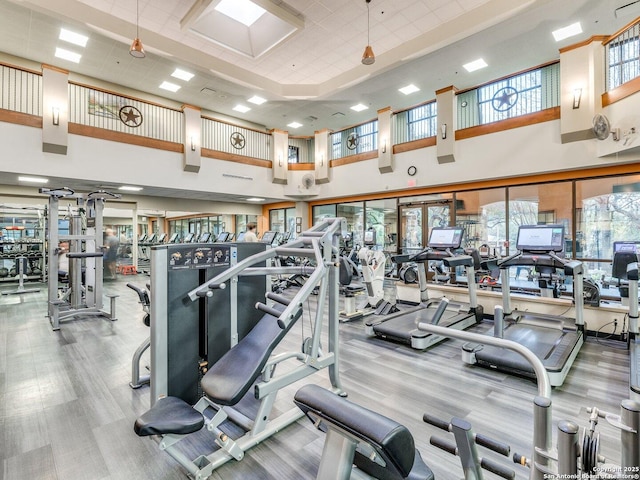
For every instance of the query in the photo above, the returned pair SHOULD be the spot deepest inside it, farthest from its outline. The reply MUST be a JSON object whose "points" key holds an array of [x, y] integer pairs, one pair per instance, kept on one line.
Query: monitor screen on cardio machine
{"points": [[445, 237], [631, 247], [540, 238], [268, 237]]}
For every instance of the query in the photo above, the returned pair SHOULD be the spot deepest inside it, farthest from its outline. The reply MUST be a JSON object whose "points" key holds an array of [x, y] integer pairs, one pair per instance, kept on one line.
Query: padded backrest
{"points": [[620, 262], [391, 441], [231, 377]]}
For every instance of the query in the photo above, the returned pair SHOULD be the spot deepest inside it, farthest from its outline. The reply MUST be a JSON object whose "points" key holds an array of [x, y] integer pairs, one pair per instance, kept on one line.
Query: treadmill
{"points": [[556, 340], [404, 325]]}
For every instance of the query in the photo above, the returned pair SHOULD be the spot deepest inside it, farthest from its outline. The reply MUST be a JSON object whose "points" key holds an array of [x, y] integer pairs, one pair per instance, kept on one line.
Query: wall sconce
{"points": [[193, 145], [55, 112], [443, 130], [384, 145], [280, 159], [577, 95], [322, 159]]}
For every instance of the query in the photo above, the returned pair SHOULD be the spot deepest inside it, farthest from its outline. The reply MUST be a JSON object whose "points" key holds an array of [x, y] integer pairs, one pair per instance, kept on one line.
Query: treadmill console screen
{"points": [[631, 247], [445, 237], [268, 237], [173, 238], [188, 238], [222, 237], [541, 238], [204, 237]]}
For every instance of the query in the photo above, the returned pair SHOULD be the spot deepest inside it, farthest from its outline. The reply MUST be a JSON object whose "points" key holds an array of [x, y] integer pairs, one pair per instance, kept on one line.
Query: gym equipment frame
{"points": [[246, 372], [82, 299]]}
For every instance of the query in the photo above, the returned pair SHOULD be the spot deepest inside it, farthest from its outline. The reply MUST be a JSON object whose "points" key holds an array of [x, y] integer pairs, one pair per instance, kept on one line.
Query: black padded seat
{"points": [[231, 377], [169, 415], [392, 441]]}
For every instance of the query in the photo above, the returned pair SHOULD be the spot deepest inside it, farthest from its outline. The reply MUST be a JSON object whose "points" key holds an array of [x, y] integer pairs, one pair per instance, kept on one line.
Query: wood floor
{"points": [[67, 411]]}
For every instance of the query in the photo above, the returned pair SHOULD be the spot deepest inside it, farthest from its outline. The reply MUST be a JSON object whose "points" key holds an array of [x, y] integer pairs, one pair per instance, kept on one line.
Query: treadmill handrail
{"points": [[525, 258], [542, 377]]}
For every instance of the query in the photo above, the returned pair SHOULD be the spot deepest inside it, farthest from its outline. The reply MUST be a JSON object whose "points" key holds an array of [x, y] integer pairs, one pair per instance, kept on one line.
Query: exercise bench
{"points": [[356, 436]]}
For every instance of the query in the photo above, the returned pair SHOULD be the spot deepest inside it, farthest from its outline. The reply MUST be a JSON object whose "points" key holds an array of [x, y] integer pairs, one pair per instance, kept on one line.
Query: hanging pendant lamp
{"points": [[137, 50], [368, 58]]}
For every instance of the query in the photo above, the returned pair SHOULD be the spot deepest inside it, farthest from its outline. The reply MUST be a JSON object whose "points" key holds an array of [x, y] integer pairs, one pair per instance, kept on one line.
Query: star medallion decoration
{"points": [[237, 140], [504, 99], [130, 116], [352, 141]]}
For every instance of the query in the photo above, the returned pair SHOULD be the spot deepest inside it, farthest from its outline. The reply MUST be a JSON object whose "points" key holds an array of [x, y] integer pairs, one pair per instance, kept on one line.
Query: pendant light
{"points": [[137, 50], [368, 58]]}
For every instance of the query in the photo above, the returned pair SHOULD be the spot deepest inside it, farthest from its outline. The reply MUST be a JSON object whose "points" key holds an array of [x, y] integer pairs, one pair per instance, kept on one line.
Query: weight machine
{"points": [[84, 295]]}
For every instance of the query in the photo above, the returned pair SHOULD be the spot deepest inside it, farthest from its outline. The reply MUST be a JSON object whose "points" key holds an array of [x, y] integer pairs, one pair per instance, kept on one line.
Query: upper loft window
{"points": [[422, 121], [623, 57], [514, 96], [511, 97], [355, 140]]}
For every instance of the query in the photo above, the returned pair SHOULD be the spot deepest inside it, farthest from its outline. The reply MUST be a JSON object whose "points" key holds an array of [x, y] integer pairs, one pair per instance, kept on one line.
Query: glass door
{"points": [[416, 222]]}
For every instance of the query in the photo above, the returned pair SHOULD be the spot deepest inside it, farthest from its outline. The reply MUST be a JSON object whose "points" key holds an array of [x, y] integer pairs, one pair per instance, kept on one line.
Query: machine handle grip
{"points": [[493, 467], [209, 293], [445, 445], [520, 459], [267, 309], [496, 446], [436, 422], [144, 298], [278, 298]]}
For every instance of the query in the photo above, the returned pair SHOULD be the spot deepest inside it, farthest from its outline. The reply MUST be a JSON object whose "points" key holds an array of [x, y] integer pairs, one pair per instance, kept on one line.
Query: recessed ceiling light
{"points": [[255, 199], [359, 107], [294, 125], [409, 89], [33, 179], [182, 74], [568, 31], [130, 189], [475, 65], [172, 87], [73, 37], [243, 11], [241, 108], [257, 100], [68, 55]]}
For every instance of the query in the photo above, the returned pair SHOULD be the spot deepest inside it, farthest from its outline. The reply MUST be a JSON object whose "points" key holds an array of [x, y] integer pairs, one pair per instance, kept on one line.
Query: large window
{"points": [[623, 57], [482, 214], [607, 211]]}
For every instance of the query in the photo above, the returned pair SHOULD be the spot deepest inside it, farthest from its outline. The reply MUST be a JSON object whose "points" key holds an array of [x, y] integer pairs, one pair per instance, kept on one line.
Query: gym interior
{"points": [[444, 282]]}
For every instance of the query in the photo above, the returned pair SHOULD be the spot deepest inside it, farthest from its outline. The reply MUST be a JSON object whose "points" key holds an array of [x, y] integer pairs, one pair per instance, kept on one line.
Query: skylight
{"points": [[241, 108], [33, 179], [409, 89], [475, 65], [568, 31], [359, 107], [68, 55], [182, 74], [257, 100], [243, 11], [73, 37], [172, 87]]}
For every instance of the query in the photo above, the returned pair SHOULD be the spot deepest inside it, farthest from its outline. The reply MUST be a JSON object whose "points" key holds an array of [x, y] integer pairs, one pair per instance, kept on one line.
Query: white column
{"points": [[192, 138], [385, 140], [581, 87], [279, 156], [322, 169], [447, 121], [55, 113]]}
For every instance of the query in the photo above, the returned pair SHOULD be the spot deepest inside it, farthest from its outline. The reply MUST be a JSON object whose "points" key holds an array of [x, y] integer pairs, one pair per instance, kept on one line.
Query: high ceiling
{"points": [[315, 75]]}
